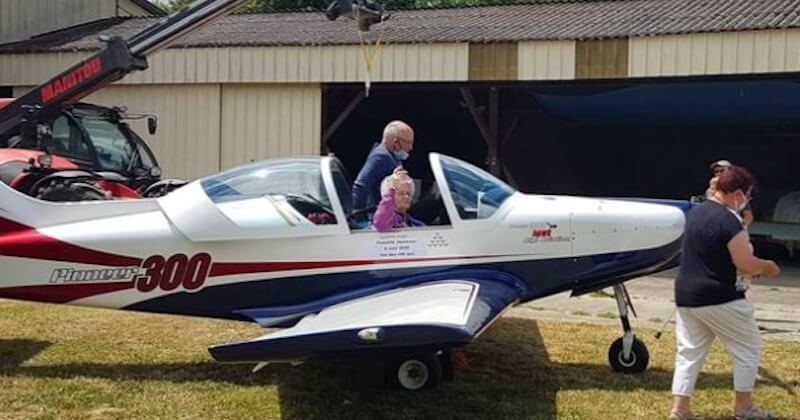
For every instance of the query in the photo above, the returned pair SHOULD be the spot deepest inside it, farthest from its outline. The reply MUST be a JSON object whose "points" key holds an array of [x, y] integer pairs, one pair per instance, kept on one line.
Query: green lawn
{"points": [[62, 362]]}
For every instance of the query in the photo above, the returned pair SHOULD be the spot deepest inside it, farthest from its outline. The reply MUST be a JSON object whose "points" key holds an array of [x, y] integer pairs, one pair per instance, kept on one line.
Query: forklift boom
{"points": [[112, 63]]}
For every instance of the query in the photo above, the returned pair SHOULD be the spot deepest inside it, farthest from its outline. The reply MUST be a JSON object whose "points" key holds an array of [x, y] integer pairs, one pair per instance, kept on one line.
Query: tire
{"points": [[636, 363], [63, 190], [414, 372]]}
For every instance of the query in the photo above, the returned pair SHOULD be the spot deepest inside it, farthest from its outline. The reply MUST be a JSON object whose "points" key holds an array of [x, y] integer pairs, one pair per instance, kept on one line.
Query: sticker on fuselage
{"points": [[398, 245], [155, 272], [175, 271], [438, 241], [71, 275], [545, 234]]}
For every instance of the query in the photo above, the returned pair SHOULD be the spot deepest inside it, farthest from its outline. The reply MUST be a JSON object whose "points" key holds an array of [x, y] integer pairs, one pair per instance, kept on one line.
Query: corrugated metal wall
{"points": [[546, 60], [601, 58], [19, 19], [493, 61], [205, 128], [393, 63], [188, 137], [715, 53], [263, 121], [222, 106]]}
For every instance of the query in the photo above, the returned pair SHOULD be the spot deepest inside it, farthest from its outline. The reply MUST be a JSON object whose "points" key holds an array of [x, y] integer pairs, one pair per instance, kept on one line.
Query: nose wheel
{"points": [[627, 354]]}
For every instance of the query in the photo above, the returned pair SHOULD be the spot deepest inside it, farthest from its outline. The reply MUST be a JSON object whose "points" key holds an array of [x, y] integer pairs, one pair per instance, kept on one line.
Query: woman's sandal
{"points": [[674, 415], [753, 413]]}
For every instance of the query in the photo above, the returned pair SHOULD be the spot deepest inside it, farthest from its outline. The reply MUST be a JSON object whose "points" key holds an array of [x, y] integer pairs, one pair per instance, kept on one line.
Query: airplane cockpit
{"points": [[316, 191]]}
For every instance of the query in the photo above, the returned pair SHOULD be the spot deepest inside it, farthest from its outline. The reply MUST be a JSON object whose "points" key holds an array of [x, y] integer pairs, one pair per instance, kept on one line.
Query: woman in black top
{"points": [[710, 305]]}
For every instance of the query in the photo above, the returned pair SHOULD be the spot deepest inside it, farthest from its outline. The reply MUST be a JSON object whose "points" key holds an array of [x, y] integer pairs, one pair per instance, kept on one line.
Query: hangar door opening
{"points": [[353, 122], [641, 138]]}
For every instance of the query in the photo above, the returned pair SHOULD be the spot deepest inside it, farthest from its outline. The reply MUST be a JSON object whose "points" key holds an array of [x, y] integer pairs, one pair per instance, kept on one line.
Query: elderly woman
{"points": [[397, 191], [710, 305]]}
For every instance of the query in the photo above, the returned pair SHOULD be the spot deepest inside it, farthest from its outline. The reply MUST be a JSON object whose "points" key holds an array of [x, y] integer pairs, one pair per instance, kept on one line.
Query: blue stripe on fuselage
{"points": [[304, 294]]}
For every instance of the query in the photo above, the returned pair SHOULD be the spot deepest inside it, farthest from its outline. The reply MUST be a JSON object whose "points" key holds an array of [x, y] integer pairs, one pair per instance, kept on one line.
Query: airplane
{"points": [[275, 243]]}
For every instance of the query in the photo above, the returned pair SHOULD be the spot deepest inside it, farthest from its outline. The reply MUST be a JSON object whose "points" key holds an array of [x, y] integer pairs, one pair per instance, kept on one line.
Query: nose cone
{"points": [[620, 240], [608, 226]]}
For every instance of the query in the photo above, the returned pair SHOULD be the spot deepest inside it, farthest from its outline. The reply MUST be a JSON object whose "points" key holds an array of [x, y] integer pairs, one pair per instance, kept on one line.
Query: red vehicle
{"points": [[88, 153]]}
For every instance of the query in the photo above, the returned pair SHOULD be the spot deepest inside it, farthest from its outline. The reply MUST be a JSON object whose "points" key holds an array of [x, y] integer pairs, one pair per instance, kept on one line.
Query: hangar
{"points": [[604, 98]]}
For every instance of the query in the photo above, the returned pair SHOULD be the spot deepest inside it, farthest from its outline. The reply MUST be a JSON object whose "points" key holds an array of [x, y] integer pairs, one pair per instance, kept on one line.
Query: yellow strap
{"points": [[369, 57]]}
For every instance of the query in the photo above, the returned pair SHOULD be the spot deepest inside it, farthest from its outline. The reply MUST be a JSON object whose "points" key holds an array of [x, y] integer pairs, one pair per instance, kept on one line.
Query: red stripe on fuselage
{"points": [[62, 293], [229, 269], [18, 240]]}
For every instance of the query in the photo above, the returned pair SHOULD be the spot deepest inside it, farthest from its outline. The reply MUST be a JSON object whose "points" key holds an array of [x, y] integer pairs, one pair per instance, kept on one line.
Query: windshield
{"points": [[476, 193], [114, 151], [288, 177]]}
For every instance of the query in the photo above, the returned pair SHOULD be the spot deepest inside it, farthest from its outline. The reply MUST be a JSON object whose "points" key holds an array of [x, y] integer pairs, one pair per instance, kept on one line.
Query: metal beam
{"points": [[473, 109], [492, 158], [342, 117], [510, 179]]}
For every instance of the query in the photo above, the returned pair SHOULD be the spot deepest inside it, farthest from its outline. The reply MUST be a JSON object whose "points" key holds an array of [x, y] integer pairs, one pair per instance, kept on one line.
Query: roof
{"points": [[548, 21]]}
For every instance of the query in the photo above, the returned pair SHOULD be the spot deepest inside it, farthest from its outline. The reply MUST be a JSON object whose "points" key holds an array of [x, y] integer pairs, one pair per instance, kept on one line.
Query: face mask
{"points": [[401, 155], [742, 206]]}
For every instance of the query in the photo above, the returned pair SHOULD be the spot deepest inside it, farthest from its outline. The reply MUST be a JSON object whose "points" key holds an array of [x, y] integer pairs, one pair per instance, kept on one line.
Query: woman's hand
{"points": [[771, 269], [398, 176]]}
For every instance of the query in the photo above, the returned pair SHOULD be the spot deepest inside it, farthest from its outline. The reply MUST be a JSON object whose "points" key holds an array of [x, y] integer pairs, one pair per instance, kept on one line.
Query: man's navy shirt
{"points": [[367, 187]]}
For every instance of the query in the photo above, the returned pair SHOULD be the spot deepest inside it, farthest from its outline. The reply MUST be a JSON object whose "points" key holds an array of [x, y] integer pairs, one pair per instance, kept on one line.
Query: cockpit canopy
{"points": [[291, 196]]}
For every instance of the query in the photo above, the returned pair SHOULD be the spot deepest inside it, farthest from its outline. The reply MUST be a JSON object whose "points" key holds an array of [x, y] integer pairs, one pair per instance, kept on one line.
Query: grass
{"points": [[608, 315], [581, 313], [77, 363]]}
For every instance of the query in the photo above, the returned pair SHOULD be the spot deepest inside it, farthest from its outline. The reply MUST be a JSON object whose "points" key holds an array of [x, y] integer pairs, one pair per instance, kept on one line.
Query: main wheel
{"points": [[64, 190], [414, 372], [635, 363]]}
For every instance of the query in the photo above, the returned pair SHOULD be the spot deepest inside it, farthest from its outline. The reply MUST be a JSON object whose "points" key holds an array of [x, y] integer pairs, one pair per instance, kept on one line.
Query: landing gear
{"points": [[418, 371], [627, 354]]}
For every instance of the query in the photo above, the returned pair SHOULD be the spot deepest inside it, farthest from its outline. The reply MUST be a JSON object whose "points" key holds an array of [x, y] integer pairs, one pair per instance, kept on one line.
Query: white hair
{"points": [[387, 183], [394, 129]]}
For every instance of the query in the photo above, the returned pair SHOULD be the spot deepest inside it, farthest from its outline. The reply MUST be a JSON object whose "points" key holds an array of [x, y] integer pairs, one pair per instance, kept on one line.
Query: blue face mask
{"points": [[401, 155]]}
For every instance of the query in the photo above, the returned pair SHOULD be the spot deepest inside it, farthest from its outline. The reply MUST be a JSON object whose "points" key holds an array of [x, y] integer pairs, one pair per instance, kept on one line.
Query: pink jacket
{"points": [[387, 218]]}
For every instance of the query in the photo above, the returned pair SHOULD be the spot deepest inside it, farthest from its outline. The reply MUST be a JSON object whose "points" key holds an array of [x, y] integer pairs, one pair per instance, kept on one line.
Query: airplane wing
{"points": [[441, 315]]}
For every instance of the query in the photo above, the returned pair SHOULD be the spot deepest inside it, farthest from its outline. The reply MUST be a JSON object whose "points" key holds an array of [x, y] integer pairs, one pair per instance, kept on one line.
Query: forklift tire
{"points": [[62, 190]]}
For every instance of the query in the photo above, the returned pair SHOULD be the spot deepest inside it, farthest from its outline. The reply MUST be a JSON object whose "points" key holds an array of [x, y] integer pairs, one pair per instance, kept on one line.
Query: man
{"points": [[383, 159], [718, 168]]}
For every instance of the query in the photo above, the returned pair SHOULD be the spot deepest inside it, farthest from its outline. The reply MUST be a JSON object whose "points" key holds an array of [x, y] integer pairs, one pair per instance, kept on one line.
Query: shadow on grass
{"points": [[14, 352], [510, 376]]}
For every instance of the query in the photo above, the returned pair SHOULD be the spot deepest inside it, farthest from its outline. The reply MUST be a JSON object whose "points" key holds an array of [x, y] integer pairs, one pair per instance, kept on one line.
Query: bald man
{"points": [[383, 159]]}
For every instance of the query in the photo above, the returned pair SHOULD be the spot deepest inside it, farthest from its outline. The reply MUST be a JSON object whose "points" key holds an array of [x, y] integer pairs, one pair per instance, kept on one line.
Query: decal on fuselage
{"points": [[546, 233], [398, 245], [71, 275], [174, 271], [155, 272]]}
